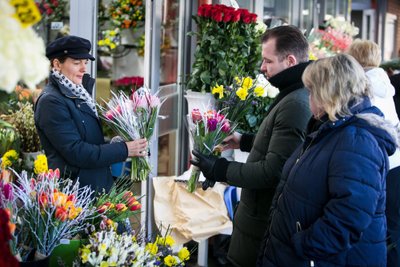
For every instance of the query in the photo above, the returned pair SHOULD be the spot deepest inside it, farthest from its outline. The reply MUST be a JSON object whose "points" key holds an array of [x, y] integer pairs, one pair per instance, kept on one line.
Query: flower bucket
{"points": [[202, 101], [65, 254], [29, 158], [120, 169]]}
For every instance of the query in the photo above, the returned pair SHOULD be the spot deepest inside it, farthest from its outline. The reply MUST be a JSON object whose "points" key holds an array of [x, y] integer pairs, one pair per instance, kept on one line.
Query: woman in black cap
{"points": [[67, 121]]}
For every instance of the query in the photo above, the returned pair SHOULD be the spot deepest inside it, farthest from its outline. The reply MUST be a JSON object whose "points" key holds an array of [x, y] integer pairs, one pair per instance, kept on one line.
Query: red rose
{"points": [[247, 18], [217, 15], [236, 16], [228, 16]]}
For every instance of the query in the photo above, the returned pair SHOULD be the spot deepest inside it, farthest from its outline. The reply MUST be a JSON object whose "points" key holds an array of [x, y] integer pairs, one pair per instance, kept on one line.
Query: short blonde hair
{"points": [[366, 52], [334, 83]]}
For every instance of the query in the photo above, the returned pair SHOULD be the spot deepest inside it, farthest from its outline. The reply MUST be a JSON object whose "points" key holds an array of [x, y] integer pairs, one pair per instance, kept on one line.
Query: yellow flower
{"points": [[107, 41], [238, 80], [112, 33], [169, 241], [104, 264], [218, 89], [259, 91], [152, 248], [170, 260], [184, 254], [102, 249], [40, 164], [101, 42], [311, 56], [160, 240], [242, 93], [247, 83], [113, 46], [85, 252], [8, 158]]}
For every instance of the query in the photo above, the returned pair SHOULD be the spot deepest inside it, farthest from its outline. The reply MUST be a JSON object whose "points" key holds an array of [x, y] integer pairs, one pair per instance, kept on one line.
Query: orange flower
{"points": [[59, 199], [135, 206], [43, 200], [120, 207], [61, 213]]}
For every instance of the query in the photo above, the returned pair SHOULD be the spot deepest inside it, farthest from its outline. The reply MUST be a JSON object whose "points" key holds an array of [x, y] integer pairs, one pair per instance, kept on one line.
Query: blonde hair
{"points": [[366, 52], [336, 82]]}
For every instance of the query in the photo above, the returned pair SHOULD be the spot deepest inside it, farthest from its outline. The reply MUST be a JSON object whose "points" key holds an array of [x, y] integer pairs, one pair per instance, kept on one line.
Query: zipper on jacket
{"points": [[299, 229]]}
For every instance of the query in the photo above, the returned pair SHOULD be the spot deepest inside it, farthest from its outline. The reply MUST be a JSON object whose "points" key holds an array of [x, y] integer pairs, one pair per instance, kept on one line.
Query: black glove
{"points": [[205, 163], [213, 168]]}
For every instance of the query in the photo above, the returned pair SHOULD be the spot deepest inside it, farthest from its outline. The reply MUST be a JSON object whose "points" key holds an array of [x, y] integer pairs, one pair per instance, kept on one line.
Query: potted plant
{"points": [[227, 45]]}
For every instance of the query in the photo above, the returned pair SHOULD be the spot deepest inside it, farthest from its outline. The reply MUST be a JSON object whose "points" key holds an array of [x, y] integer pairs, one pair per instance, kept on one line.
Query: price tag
{"points": [[56, 25], [26, 12]]}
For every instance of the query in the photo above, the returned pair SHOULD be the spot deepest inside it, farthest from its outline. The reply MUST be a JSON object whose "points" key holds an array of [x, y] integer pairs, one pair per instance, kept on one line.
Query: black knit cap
{"points": [[70, 46]]}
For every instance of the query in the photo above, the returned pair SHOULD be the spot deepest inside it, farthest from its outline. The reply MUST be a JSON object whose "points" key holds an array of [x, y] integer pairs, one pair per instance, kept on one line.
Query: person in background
{"points": [[368, 54], [329, 209], [395, 81], [285, 56], [67, 121]]}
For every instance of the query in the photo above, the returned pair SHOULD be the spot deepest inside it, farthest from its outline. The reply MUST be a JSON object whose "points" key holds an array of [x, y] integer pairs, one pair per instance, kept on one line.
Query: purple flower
{"points": [[212, 124], [7, 191]]}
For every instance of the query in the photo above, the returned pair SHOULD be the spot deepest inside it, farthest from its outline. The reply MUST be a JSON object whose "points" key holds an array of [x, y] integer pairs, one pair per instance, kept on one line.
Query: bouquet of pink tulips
{"points": [[132, 118], [207, 131]]}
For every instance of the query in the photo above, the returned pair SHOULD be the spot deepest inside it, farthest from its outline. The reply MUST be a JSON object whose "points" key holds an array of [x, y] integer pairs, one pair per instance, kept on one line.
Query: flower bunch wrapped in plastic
{"points": [[47, 209], [207, 131], [109, 40], [108, 248], [244, 99], [116, 205], [133, 118], [335, 37]]}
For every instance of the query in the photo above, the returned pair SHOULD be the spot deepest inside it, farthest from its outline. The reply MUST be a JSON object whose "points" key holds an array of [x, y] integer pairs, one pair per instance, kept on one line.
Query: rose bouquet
{"points": [[207, 131], [133, 118], [46, 209], [244, 98], [227, 43], [128, 84]]}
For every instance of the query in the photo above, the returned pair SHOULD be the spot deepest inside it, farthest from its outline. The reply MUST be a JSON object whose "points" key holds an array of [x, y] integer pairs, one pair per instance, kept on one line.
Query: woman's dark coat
{"points": [[331, 210], [72, 137]]}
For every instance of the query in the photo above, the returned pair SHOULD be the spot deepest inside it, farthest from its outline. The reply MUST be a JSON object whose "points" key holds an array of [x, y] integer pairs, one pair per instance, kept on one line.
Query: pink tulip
{"points": [[196, 115], [226, 127]]}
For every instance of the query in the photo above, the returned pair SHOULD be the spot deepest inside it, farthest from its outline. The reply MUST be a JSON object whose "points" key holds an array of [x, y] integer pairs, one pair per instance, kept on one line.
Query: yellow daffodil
{"points": [[107, 41], [113, 46], [218, 89], [152, 248], [247, 83], [104, 264], [85, 252], [242, 93], [169, 241], [184, 254], [238, 80], [170, 260], [259, 91], [40, 164], [101, 43], [160, 240]]}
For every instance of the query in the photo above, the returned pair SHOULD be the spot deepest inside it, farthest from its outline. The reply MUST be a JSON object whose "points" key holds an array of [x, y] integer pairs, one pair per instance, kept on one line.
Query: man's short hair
{"points": [[289, 41]]}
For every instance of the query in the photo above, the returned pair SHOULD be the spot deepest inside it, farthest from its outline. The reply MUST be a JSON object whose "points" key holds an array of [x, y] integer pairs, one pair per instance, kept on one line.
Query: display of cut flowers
{"points": [[335, 36], [107, 248], [116, 205], [244, 98], [207, 131], [133, 118], [46, 209]]}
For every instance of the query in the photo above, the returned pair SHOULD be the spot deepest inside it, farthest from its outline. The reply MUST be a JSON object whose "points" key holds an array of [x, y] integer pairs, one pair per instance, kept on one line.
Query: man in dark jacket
{"points": [[285, 56], [67, 121]]}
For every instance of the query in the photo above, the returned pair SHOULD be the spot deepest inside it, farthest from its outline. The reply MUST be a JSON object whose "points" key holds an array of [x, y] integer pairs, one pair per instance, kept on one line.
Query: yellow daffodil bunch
{"points": [[40, 164], [110, 40], [244, 97], [9, 159]]}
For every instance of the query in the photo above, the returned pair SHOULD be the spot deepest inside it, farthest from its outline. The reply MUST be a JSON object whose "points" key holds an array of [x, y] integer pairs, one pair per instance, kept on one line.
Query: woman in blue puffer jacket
{"points": [[329, 209]]}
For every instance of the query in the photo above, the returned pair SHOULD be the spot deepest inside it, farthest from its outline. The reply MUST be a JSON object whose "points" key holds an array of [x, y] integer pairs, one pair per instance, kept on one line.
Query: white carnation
{"points": [[22, 52]]}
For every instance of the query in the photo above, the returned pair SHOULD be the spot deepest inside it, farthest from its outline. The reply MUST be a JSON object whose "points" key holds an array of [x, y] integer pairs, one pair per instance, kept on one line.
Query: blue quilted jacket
{"points": [[329, 209]]}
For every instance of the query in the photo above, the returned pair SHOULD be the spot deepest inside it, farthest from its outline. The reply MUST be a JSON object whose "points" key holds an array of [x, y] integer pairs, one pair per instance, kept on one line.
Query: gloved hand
{"points": [[207, 183], [205, 163]]}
